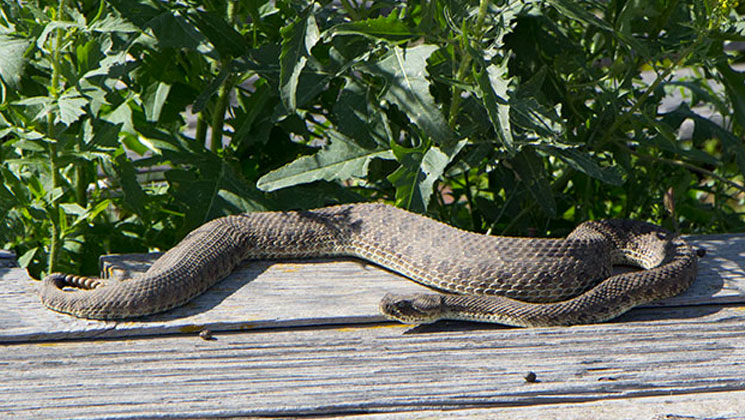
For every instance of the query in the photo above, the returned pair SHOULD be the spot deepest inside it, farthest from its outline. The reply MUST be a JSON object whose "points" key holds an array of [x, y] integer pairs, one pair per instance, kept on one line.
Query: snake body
{"points": [[508, 280]]}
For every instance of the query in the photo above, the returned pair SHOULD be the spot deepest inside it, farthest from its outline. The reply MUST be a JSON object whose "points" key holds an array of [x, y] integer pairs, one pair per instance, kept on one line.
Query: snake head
{"points": [[418, 308]]}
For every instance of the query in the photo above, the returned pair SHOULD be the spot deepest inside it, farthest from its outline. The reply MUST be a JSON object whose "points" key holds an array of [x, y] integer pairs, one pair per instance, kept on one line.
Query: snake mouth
{"points": [[420, 308]]}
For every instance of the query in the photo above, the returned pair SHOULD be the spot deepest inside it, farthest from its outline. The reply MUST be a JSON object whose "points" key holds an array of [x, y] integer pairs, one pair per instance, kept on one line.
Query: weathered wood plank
{"points": [[706, 406], [382, 369], [721, 272], [261, 294], [280, 294], [7, 258]]}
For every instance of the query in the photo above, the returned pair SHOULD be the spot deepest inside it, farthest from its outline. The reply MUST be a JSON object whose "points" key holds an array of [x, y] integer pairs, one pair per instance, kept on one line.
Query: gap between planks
{"points": [[320, 372]]}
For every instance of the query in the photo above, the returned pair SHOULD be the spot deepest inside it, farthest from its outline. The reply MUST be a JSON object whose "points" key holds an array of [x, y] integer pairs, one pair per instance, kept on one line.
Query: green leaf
{"points": [[134, 196], [298, 38], [357, 119], [734, 83], [408, 88], [573, 10], [699, 91], [139, 12], [88, 56], [667, 140], [314, 195], [252, 122], [534, 121], [389, 28], [340, 160], [7, 200], [583, 162], [227, 41], [154, 98], [101, 133], [112, 24], [208, 93], [532, 174], [34, 101], [27, 257], [18, 189], [420, 168], [170, 29], [705, 129], [122, 117], [86, 214], [49, 28], [213, 188], [11, 63], [73, 209], [51, 196], [71, 106], [34, 146], [493, 92]]}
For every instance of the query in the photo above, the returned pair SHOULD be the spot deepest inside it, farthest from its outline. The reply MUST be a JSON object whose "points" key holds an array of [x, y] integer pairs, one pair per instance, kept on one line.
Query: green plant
{"points": [[509, 117]]}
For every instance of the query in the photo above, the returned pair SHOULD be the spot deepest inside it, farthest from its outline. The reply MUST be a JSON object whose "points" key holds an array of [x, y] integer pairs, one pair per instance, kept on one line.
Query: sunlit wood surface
{"points": [[305, 339]]}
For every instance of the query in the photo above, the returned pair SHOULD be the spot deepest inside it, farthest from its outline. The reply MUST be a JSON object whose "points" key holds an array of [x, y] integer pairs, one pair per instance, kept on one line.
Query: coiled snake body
{"points": [[513, 281]]}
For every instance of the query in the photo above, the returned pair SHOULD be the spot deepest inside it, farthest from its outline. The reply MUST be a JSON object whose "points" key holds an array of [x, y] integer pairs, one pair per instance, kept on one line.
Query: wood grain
{"points": [[699, 406], [386, 368]]}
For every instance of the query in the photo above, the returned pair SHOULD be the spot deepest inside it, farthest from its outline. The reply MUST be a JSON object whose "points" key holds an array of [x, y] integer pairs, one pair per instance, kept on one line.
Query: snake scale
{"points": [[508, 280]]}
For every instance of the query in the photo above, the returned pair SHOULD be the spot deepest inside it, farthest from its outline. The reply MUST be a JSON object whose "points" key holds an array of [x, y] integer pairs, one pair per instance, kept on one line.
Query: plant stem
{"points": [[218, 114], [54, 213], [351, 11], [81, 184], [475, 218], [465, 63], [689, 166], [201, 134], [647, 93], [223, 97], [557, 186], [230, 11]]}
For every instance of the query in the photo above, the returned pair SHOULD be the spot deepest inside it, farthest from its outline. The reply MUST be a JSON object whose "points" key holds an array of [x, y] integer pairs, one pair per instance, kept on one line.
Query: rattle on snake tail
{"points": [[514, 281]]}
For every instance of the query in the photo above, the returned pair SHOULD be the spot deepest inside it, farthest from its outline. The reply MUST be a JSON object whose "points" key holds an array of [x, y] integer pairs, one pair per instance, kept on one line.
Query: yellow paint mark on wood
{"points": [[191, 328], [377, 326]]}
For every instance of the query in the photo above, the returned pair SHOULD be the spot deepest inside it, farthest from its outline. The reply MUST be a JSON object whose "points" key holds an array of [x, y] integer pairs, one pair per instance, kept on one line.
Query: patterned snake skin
{"points": [[514, 281]]}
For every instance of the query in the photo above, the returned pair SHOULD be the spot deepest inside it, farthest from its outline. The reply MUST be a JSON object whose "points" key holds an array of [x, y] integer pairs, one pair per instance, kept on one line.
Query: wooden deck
{"points": [[305, 339]]}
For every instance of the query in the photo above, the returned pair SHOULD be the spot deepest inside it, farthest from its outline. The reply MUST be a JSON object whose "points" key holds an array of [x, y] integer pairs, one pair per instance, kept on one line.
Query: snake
{"points": [[516, 281]]}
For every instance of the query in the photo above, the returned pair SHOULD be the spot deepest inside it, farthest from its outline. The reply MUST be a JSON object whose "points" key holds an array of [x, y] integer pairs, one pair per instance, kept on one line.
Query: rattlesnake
{"points": [[508, 280]]}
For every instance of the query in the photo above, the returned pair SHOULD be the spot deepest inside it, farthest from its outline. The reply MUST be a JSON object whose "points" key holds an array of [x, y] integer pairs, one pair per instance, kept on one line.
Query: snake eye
{"points": [[403, 305]]}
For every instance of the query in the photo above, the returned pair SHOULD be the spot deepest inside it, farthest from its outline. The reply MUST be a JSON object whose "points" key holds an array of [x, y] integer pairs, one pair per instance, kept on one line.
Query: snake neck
{"points": [[633, 243]]}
